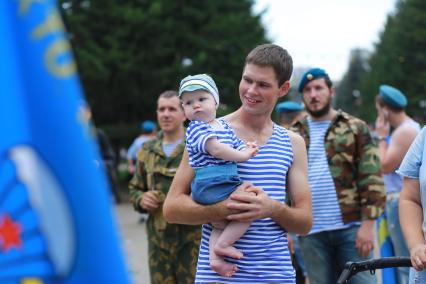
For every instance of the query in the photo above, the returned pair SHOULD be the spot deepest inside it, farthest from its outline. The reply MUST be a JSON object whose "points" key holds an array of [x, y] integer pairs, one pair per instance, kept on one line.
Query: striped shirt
{"points": [[168, 148], [264, 245], [325, 207], [197, 134]]}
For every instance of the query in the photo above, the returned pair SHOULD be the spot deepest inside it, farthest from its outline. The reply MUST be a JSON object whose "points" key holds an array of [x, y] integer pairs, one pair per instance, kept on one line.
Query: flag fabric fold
{"points": [[385, 249], [56, 214]]}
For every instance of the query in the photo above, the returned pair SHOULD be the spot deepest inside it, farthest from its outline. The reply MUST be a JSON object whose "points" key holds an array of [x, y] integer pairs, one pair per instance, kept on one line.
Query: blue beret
{"points": [[392, 96], [148, 126], [288, 107], [312, 74]]}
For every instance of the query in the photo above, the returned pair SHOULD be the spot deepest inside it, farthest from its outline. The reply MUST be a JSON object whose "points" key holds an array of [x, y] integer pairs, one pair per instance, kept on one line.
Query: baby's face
{"points": [[199, 105]]}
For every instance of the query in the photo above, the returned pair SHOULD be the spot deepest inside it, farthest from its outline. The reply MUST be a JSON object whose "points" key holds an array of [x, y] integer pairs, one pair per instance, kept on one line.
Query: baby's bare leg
{"points": [[233, 231], [221, 225], [217, 263]]}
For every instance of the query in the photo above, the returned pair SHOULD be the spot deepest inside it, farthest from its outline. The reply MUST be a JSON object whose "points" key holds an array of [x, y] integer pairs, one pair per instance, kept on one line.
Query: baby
{"points": [[213, 152]]}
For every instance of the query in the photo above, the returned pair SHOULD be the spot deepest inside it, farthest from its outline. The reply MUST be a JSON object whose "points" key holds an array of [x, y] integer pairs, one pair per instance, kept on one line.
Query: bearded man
{"points": [[345, 180]]}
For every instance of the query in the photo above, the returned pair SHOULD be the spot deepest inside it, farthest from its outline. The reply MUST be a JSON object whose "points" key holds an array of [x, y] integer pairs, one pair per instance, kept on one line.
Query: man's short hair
{"points": [[271, 55], [169, 94]]}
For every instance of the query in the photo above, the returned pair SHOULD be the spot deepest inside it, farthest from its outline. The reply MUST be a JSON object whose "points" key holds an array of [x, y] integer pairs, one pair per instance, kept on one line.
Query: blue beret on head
{"points": [[312, 74], [392, 96], [288, 107], [148, 125]]}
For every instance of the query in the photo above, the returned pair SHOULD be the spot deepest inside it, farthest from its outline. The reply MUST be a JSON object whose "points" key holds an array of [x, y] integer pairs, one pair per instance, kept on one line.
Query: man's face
{"points": [[382, 111], [259, 90], [317, 97], [170, 115]]}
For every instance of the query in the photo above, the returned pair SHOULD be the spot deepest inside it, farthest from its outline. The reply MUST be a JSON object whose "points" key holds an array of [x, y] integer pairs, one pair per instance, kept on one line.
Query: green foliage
{"points": [[128, 52], [399, 58], [348, 97]]}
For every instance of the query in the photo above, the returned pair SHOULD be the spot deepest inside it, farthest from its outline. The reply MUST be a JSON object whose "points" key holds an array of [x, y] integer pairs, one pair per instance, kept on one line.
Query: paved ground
{"points": [[134, 240]]}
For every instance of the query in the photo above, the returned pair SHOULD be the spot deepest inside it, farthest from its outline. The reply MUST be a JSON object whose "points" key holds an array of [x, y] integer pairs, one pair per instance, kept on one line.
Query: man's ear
{"points": [[332, 91], [285, 87]]}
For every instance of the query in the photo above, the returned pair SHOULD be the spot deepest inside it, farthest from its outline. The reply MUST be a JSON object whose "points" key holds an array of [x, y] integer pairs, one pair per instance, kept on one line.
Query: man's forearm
{"points": [[181, 209], [135, 197], [293, 220], [411, 222], [383, 148]]}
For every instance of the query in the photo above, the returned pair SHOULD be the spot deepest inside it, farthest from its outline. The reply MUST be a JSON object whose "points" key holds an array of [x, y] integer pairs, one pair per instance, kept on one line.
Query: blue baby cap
{"points": [[288, 107], [392, 96], [312, 74], [193, 83], [148, 125]]}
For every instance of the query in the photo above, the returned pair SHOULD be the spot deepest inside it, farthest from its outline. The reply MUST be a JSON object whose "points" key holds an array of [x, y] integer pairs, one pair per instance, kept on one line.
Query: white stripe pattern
{"points": [[325, 207], [265, 248], [197, 134]]}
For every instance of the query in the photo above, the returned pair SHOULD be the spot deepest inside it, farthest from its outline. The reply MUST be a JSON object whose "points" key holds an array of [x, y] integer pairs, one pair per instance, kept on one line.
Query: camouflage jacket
{"points": [[353, 158], [155, 171]]}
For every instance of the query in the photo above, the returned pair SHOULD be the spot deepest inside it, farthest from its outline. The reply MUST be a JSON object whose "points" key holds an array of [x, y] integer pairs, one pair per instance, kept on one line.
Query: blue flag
{"points": [[56, 222], [386, 249]]}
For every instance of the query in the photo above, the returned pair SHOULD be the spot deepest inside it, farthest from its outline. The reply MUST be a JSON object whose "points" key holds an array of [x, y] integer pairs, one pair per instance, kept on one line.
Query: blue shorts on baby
{"points": [[215, 183]]}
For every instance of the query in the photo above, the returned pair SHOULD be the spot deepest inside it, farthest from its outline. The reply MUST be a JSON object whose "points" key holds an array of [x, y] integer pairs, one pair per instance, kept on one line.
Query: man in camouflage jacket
{"points": [[172, 249], [348, 194]]}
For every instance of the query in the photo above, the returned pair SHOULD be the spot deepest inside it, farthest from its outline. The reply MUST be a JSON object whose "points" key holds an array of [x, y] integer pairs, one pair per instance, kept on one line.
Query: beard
{"points": [[320, 112]]}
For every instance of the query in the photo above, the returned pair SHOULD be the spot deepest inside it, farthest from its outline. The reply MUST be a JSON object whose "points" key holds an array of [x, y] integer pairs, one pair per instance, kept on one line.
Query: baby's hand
{"points": [[252, 144], [251, 149], [248, 152]]}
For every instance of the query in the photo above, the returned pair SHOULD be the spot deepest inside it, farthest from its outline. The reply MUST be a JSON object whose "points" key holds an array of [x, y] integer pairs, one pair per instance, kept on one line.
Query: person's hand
{"points": [[149, 201], [252, 144], [252, 207], [251, 150], [418, 257], [382, 124], [131, 169], [365, 238]]}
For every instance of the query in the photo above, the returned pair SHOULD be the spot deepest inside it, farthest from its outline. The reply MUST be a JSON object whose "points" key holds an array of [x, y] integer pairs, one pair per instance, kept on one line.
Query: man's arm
{"points": [[391, 155], [179, 206], [369, 181], [138, 184], [298, 217], [364, 241], [410, 217], [371, 189], [295, 219]]}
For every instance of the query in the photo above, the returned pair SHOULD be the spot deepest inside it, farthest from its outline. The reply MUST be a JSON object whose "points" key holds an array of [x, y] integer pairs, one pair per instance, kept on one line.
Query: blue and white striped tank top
{"points": [[264, 245], [325, 206], [197, 134]]}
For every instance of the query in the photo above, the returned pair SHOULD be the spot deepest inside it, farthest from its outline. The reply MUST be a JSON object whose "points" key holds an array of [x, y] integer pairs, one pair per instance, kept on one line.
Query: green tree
{"points": [[130, 51], [399, 58], [348, 95]]}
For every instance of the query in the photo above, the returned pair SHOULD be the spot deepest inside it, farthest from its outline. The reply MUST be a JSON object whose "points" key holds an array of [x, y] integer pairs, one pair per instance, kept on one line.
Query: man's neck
{"points": [[396, 119], [254, 122], [328, 116], [251, 128], [172, 136]]}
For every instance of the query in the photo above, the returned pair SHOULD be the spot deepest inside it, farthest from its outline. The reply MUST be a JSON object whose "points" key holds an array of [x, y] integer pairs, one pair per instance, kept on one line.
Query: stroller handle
{"points": [[352, 268]]}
